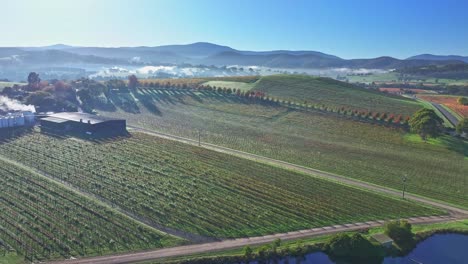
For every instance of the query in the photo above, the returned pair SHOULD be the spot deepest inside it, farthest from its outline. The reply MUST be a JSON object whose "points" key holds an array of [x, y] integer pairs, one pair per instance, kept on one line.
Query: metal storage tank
{"points": [[3, 122], [11, 121], [19, 120], [28, 117]]}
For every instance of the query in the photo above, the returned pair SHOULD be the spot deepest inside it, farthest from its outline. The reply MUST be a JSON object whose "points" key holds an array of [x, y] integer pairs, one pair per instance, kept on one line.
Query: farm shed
{"points": [[383, 240], [84, 123]]}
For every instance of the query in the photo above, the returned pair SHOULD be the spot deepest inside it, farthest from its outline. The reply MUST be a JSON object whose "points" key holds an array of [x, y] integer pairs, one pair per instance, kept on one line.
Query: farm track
{"points": [[450, 117], [241, 242], [326, 175]]}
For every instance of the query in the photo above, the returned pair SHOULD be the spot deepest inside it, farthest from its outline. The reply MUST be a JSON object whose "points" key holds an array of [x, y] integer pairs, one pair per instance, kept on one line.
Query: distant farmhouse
{"points": [[73, 122]]}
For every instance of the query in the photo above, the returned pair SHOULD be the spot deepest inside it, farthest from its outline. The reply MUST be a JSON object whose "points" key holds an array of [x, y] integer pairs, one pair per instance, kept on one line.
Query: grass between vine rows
{"points": [[202, 191], [43, 220], [368, 152]]}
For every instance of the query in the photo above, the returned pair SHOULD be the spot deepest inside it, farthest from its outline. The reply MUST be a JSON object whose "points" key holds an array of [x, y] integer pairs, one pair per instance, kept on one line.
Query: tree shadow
{"points": [[455, 144], [124, 101], [7, 134], [147, 102], [100, 138]]}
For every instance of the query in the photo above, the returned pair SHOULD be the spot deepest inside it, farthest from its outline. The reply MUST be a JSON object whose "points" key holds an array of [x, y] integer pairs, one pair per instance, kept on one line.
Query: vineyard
{"points": [[230, 85], [201, 191], [42, 220], [448, 101], [195, 82], [316, 139], [316, 90]]}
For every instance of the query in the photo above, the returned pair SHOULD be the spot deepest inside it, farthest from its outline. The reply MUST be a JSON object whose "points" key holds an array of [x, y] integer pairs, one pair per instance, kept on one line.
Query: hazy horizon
{"points": [[346, 29]]}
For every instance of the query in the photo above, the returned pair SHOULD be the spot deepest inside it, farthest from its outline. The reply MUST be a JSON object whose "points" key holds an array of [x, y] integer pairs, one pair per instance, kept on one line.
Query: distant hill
{"points": [[51, 47], [207, 54], [330, 92], [313, 60], [18, 57], [195, 50], [439, 57]]}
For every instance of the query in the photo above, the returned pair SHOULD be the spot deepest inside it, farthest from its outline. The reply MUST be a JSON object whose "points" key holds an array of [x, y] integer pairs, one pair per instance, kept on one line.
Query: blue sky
{"points": [[349, 29]]}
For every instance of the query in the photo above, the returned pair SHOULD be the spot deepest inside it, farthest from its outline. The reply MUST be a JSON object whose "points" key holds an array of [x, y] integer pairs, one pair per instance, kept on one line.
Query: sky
{"points": [[346, 28]]}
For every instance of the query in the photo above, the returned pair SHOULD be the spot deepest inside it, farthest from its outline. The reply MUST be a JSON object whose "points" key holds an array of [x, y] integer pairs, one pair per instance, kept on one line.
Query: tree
{"points": [[115, 84], [132, 81], [462, 127], [248, 252], [426, 123], [462, 100], [33, 80], [353, 249], [399, 231], [37, 98], [7, 91]]}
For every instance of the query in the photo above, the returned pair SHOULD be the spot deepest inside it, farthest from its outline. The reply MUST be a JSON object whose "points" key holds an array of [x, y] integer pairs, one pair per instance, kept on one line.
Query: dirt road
{"points": [[238, 243]]}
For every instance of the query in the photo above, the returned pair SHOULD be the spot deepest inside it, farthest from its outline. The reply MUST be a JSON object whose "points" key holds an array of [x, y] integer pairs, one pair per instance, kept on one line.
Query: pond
{"points": [[441, 248]]}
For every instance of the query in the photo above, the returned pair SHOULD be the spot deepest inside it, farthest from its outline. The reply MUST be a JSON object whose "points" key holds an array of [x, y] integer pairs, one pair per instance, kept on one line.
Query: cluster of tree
{"points": [[91, 93], [462, 100], [426, 123], [457, 90], [54, 95], [273, 252], [462, 127], [353, 249], [169, 85], [375, 116], [401, 233]]}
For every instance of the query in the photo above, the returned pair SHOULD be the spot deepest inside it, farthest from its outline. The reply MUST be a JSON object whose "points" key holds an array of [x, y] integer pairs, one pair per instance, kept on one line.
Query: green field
{"points": [[375, 77], [5, 84], [324, 141], [329, 92], [44, 220], [202, 191]]}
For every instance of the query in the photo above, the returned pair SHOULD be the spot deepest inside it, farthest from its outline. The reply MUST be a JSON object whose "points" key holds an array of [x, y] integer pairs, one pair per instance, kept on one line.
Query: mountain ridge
{"points": [[210, 54]]}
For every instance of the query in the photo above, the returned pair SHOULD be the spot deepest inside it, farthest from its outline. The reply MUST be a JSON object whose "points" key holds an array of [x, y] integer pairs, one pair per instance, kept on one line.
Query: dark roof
{"points": [[54, 120], [78, 117]]}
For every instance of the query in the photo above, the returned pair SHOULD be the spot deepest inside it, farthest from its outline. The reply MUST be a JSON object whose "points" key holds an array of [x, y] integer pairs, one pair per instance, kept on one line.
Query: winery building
{"points": [[89, 124]]}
